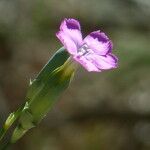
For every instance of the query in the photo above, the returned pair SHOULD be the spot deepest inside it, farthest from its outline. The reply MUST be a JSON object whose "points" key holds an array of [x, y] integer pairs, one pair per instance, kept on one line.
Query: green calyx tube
{"points": [[44, 90]]}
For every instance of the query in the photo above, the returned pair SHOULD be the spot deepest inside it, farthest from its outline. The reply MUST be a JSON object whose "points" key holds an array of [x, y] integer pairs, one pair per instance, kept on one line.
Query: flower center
{"points": [[83, 50]]}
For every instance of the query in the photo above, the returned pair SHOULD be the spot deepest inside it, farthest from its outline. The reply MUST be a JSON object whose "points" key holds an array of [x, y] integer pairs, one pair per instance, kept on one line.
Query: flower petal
{"points": [[99, 42], [88, 65], [105, 62], [97, 63], [70, 35], [68, 43]]}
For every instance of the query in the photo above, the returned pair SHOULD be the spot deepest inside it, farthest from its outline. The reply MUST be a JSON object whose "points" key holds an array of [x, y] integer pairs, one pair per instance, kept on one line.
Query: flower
{"points": [[94, 52]]}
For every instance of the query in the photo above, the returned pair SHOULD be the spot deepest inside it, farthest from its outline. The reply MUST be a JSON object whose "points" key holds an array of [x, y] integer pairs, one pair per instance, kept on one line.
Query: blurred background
{"points": [[99, 111]]}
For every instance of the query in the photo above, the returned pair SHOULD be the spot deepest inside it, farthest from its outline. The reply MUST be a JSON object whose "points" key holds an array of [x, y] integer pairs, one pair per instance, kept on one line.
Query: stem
{"points": [[9, 121], [49, 84], [2, 133]]}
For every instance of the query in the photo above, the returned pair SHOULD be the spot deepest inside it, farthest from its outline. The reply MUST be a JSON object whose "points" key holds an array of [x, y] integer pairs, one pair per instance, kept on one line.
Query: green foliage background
{"points": [[108, 110]]}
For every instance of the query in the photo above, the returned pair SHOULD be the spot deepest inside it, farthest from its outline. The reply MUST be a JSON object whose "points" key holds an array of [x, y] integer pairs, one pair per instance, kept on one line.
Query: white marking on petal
{"points": [[83, 50]]}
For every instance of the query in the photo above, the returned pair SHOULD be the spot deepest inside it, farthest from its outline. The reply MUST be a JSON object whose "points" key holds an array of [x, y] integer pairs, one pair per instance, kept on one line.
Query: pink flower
{"points": [[94, 52]]}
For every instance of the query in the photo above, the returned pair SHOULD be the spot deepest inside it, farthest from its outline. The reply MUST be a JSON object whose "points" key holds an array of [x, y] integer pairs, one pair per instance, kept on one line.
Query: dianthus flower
{"points": [[94, 52]]}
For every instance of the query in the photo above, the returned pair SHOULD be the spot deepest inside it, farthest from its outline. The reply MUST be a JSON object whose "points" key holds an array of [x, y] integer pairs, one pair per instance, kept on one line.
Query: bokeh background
{"points": [[99, 111]]}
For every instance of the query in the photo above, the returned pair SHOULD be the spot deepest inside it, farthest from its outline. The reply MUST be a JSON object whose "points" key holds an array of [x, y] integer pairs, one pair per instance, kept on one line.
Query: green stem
{"points": [[9, 121], [2, 133]]}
